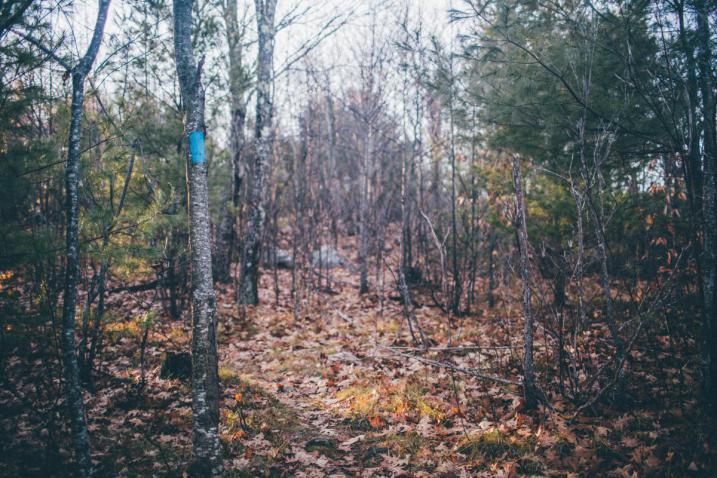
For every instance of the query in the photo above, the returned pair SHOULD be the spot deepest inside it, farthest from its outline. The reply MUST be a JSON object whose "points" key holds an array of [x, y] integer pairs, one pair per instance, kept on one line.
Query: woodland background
{"points": [[467, 238]]}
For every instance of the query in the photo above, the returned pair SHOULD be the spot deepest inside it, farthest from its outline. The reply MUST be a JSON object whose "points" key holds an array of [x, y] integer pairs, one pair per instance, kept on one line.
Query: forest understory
{"points": [[336, 388], [386, 238]]}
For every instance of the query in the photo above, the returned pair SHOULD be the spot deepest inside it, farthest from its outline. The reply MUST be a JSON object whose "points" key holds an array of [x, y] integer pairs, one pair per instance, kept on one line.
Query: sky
{"points": [[339, 53]]}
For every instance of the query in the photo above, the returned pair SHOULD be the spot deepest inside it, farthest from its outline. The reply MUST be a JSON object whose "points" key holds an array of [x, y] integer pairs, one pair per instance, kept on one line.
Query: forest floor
{"points": [[337, 390]]}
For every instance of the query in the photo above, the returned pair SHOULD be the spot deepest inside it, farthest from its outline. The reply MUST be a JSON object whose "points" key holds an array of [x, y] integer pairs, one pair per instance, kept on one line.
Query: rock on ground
{"points": [[327, 257], [284, 259]]}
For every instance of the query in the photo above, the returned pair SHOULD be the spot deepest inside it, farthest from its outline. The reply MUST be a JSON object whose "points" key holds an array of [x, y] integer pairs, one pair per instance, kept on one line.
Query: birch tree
{"points": [[73, 386], [248, 291], [239, 83], [205, 382]]}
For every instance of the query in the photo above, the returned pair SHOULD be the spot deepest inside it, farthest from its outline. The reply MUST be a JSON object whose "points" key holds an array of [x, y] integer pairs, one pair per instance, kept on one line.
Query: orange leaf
{"points": [[376, 421]]}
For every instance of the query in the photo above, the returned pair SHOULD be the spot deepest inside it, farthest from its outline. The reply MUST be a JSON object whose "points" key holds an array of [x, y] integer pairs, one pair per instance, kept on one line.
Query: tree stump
{"points": [[176, 365]]}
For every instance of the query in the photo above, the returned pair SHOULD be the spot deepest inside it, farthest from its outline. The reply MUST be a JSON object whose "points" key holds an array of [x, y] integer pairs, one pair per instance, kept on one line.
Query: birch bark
{"points": [[75, 402], [205, 382], [238, 84], [248, 291]]}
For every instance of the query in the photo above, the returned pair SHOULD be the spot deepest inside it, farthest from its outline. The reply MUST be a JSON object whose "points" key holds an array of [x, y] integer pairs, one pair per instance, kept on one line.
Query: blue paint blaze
{"points": [[196, 147]]}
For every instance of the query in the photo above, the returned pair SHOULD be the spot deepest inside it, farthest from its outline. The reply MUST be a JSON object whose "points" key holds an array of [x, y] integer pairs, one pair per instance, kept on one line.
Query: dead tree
{"points": [[529, 389]]}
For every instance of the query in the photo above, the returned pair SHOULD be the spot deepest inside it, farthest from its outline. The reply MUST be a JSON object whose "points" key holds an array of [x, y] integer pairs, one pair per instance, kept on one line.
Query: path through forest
{"points": [[339, 390]]}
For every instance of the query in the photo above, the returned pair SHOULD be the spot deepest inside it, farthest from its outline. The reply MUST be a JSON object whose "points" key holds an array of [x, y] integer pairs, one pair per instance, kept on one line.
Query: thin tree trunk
{"points": [[205, 382], [238, 83], [474, 225], [75, 402], [607, 292], [248, 282], [402, 285], [363, 213], [491, 267], [580, 255], [521, 226], [456, 302], [590, 179], [709, 262], [87, 356], [332, 181]]}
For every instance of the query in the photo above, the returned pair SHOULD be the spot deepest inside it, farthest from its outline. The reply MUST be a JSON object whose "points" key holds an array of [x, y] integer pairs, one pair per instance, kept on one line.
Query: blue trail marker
{"points": [[196, 147]]}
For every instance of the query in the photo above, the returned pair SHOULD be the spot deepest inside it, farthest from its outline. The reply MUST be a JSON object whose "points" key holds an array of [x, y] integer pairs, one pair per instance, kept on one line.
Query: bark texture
{"points": [[363, 212], [248, 291], [522, 229], [709, 253], [75, 402], [238, 84], [205, 382]]}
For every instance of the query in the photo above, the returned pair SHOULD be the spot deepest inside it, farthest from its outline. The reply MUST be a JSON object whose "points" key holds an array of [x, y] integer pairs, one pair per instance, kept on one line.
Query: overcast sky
{"points": [[338, 53]]}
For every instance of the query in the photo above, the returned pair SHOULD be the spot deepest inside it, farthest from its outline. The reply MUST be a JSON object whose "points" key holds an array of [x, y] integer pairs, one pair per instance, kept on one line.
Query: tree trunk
{"points": [[602, 251], [365, 178], [205, 382], [87, 356], [580, 254], [248, 292], [238, 83], [521, 226], [402, 285], [332, 180], [491, 267], [457, 286], [691, 166], [75, 402], [709, 253]]}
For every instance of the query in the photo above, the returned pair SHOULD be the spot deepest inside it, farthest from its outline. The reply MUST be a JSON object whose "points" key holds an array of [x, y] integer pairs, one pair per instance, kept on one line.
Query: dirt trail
{"points": [[329, 396], [336, 390], [302, 363]]}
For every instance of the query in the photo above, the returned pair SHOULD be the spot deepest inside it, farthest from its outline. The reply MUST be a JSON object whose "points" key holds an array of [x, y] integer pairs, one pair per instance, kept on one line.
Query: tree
{"points": [[239, 82], [529, 394], [709, 263], [78, 72], [248, 282], [205, 380]]}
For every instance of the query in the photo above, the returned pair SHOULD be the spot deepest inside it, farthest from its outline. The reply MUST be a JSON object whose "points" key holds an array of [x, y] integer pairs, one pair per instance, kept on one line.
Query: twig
{"points": [[450, 366], [457, 349]]}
